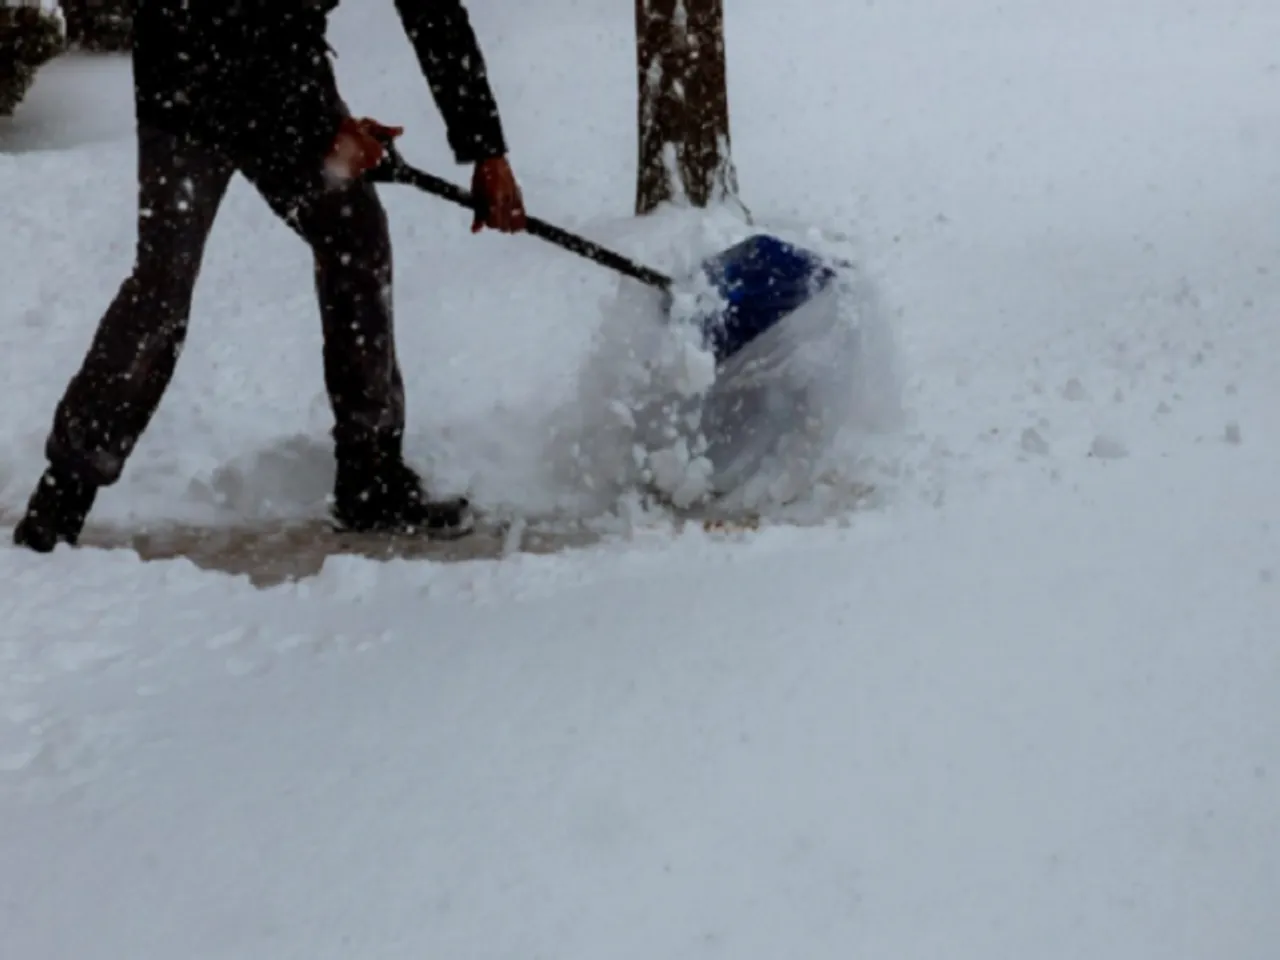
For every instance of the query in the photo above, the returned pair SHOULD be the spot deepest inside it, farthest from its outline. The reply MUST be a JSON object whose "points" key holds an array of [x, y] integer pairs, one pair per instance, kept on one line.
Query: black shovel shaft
{"points": [[395, 170]]}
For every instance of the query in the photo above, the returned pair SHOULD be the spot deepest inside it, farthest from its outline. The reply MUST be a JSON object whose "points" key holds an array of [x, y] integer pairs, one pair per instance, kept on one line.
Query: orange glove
{"points": [[358, 147], [494, 186]]}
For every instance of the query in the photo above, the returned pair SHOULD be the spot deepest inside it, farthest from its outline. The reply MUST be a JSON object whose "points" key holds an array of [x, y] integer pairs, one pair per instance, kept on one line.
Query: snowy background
{"points": [[1023, 705]]}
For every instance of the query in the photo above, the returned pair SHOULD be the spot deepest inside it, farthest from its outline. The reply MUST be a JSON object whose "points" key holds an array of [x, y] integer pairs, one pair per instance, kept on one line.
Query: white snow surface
{"points": [[1022, 705]]}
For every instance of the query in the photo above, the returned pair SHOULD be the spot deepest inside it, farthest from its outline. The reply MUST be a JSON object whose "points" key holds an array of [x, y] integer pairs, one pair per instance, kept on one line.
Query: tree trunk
{"points": [[683, 104]]}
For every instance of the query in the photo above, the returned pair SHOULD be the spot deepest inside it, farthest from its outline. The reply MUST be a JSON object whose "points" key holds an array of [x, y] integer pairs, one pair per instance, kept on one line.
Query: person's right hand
{"points": [[358, 147], [500, 203]]}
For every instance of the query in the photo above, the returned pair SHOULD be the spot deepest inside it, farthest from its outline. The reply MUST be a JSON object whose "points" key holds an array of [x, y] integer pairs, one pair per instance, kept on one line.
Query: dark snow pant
{"points": [[131, 359]]}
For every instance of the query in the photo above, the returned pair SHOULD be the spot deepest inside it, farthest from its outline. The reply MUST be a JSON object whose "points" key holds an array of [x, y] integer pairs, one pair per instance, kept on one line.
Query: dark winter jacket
{"points": [[253, 77]]}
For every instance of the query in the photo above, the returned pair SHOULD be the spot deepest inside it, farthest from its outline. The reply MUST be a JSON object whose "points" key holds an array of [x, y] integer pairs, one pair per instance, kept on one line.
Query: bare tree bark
{"points": [[683, 104]]}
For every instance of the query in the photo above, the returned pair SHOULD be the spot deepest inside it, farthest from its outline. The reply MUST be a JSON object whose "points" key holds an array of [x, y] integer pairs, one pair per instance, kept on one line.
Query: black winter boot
{"points": [[56, 512], [382, 494]]}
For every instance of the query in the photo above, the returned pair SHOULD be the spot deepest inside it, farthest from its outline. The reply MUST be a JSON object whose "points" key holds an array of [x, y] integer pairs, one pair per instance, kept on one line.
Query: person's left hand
{"points": [[359, 146], [501, 205]]}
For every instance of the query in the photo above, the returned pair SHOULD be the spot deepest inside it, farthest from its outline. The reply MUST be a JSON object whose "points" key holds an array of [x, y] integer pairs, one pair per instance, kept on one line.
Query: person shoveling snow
{"points": [[249, 87], [252, 90]]}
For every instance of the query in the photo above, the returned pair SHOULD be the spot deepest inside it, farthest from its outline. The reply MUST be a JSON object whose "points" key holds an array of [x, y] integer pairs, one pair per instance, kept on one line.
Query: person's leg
{"points": [[129, 363], [346, 227]]}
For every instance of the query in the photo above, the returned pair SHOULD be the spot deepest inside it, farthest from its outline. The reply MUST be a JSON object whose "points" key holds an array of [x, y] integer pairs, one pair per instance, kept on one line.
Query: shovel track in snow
{"points": [[273, 552]]}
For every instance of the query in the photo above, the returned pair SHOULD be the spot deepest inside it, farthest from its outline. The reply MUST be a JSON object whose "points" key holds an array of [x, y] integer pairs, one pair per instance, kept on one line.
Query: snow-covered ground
{"points": [[1023, 705]]}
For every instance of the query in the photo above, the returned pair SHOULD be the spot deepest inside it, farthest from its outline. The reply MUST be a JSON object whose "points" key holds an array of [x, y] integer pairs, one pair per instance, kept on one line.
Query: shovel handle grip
{"points": [[394, 169]]}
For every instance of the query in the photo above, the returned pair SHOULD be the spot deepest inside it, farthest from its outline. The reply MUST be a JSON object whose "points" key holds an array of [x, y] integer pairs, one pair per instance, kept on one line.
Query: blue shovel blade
{"points": [[759, 282]]}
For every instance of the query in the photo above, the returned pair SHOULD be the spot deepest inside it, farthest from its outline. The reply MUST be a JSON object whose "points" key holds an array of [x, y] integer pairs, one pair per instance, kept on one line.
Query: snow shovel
{"points": [[741, 293]]}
